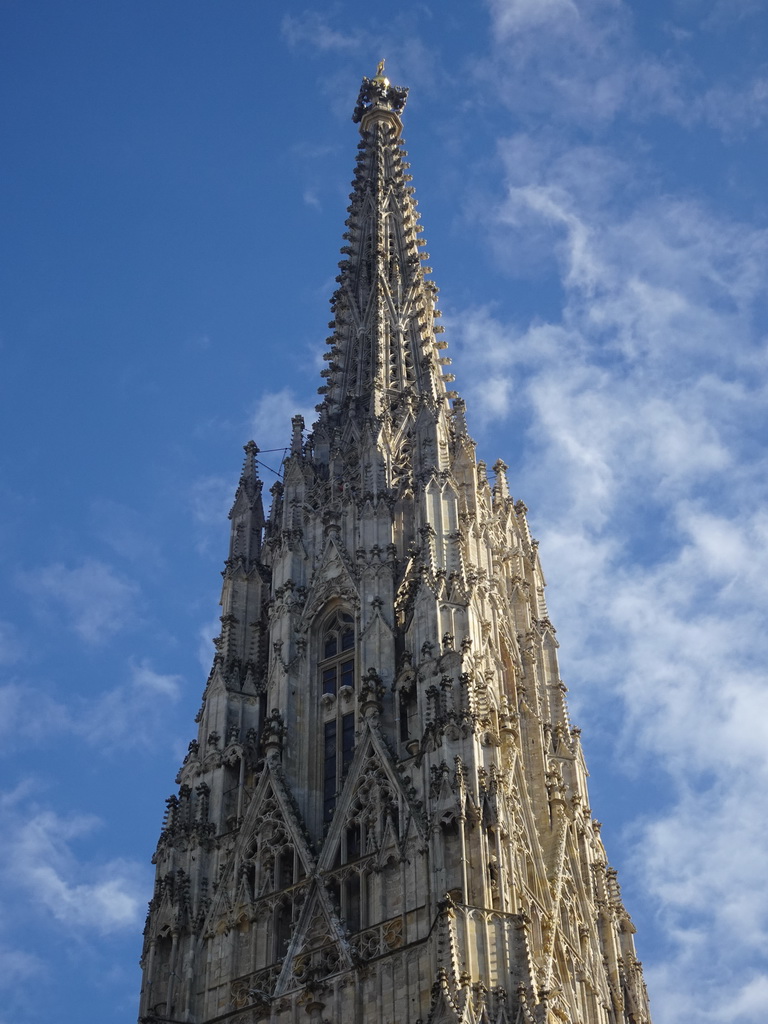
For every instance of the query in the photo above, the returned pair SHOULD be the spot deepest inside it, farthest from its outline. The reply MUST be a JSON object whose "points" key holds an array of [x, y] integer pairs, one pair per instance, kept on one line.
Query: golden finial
{"points": [[380, 76]]}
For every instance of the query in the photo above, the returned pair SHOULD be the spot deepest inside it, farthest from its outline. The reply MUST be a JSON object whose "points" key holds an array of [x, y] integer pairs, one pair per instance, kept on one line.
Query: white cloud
{"points": [[643, 411], [42, 859], [718, 14], [205, 648], [126, 531], [271, 424], [310, 197], [734, 110], [93, 598], [131, 714], [16, 965], [146, 680], [589, 66], [28, 713], [513, 15], [11, 647], [578, 54], [126, 715], [313, 28], [212, 498]]}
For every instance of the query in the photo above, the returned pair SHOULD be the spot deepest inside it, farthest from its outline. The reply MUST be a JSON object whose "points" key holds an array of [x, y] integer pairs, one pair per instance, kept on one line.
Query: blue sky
{"points": [[591, 176]]}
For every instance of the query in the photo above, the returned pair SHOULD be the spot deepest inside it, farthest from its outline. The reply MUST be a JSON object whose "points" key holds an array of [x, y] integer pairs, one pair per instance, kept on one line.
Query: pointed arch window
{"points": [[337, 679], [337, 667]]}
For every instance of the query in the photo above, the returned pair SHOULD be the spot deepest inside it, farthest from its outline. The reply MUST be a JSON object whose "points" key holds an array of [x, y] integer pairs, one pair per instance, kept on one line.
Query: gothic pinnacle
{"points": [[379, 99], [247, 514], [250, 474], [385, 352]]}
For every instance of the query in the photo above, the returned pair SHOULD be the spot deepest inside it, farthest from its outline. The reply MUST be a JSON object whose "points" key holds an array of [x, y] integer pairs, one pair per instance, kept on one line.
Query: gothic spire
{"points": [[385, 813], [384, 348], [247, 512]]}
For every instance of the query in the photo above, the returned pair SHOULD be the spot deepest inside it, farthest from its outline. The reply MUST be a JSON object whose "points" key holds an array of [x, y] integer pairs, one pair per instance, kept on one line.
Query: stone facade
{"points": [[384, 817]]}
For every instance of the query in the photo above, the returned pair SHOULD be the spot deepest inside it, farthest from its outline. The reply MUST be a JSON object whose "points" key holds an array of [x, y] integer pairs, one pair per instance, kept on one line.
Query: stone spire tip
{"points": [[250, 472], [379, 97]]}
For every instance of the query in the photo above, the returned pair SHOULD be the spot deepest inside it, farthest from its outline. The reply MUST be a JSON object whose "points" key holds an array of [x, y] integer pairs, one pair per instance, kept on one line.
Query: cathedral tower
{"points": [[384, 816]]}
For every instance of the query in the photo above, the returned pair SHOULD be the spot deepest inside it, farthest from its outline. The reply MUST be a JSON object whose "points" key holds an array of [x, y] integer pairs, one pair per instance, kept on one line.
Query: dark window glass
{"points": [[250, 875], [336, 670], [285, 869], [329, 679], [347, 741], [353, 842], [347, 673], [329, 777], [282, 930], [335, 893], [352, 909]]}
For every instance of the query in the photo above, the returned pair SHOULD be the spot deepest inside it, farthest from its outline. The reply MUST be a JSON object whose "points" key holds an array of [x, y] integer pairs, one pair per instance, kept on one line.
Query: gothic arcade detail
{"points": [[384, 817]]}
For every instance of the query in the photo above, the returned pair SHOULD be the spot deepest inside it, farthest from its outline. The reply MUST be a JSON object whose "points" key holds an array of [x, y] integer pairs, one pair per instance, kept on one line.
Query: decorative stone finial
{"points": [[297, 423], [379, 99], [250, 472]]}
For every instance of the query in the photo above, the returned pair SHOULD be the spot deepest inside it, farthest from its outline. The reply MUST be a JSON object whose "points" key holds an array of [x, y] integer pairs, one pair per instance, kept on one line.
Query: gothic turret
{"points": [[385, 814]]}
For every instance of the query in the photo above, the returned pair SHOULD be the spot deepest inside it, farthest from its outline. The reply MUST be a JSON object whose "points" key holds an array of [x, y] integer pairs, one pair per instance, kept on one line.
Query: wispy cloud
{"points": [[212, 498], [126, 715], [589, 66], [271, 422], [205, 649], [645, 400], [310, 197], [11, 646], [404, 36], [44, 858], [716, 14], [129, 715], [513, 15], [734, 110], [125, 531], [92, 598], [315, 29], [16, 965]]}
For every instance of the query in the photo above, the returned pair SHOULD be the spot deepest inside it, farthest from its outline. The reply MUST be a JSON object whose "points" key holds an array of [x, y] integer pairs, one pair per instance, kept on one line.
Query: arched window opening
{"points": [[335, 893], [163, 953], [337, 671], [250, 877], [337, 665], [353, 842], [346, 896], [408, 714], [339, 749], [285, 872], [351, 907], [231, 793], [282, 929]]}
